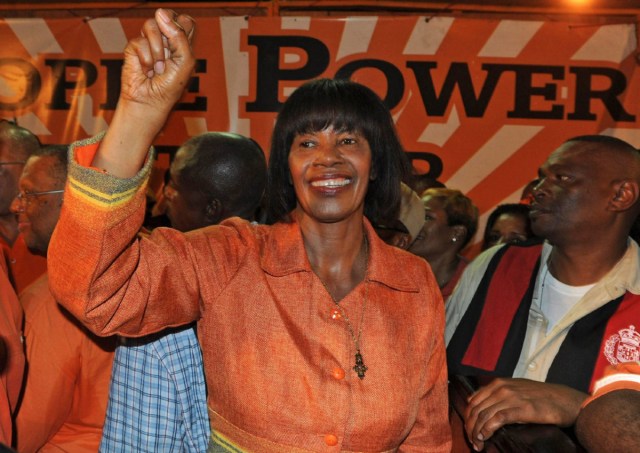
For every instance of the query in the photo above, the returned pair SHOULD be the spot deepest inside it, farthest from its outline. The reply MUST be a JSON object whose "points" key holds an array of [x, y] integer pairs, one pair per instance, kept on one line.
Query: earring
{"points": [[454, 239]]}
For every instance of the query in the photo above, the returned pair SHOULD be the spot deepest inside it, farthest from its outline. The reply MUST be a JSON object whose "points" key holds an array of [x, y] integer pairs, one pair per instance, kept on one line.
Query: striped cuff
{"points": [[99, 188]]}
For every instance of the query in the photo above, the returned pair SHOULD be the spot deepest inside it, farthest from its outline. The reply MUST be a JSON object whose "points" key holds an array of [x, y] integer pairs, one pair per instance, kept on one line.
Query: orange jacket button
{"points": [[338, 373], [335, 314], [331, 440]]}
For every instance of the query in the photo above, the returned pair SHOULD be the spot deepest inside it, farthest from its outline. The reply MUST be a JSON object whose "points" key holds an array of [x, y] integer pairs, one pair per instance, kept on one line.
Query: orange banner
{"points": [[479, 104]]}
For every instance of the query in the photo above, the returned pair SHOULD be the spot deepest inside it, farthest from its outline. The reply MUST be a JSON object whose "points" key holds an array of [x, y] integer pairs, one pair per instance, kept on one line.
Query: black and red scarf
{"points": [[489, 339]]}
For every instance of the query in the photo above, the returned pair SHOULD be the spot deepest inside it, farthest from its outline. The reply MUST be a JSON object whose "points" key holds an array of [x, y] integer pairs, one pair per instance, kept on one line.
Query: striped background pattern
{"points": [[490, 158]]}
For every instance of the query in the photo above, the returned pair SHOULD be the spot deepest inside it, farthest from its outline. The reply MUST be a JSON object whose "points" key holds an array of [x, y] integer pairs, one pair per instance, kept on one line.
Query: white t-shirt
{"points": [[556, 298]]}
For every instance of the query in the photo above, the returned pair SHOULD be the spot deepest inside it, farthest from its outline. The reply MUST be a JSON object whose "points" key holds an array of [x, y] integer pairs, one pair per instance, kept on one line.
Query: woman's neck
{"points": [[337, 253], [444, 267], [584, 266]]}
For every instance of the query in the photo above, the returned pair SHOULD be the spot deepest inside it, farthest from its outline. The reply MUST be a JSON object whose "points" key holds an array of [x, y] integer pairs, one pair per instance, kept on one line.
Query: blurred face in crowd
{"points": [[508, 229], [38, 212], [436, 234]]}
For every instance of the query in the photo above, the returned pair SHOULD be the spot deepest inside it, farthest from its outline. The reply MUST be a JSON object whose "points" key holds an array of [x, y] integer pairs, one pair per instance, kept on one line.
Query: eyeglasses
{"points": [[25, 197]]}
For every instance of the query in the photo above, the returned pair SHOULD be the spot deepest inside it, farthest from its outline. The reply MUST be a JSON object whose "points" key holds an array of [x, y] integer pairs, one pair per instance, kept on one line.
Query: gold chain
{"points": [[360, 368]]}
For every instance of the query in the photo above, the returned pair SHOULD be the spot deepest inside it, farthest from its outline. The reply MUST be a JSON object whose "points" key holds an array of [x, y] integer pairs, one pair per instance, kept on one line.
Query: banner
{"points": [[479, 103]]}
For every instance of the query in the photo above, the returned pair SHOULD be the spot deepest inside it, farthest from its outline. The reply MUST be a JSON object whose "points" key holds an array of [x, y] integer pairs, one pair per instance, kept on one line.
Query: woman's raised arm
{"points": [[157, 67]]}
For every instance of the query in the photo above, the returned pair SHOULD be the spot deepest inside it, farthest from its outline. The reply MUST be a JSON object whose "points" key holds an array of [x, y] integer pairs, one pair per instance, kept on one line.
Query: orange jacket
{"points": [[278, 361]]}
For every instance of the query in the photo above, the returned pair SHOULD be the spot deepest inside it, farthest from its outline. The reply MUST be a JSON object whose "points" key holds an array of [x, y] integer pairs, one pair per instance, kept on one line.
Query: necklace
{"points": [[360, 368]]}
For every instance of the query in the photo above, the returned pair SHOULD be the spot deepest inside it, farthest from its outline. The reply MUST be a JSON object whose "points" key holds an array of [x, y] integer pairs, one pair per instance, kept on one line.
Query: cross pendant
{"points": [[360, 367]]}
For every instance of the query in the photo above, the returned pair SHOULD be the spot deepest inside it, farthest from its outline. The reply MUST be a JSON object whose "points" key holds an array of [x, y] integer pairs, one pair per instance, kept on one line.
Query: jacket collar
{"points": [[284, 254], [624, 275]]}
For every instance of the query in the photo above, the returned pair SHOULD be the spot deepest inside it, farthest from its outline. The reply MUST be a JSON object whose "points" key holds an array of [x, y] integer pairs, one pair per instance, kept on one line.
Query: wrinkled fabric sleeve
{"points": [[101, 271], [431, 431], [157, 398]]}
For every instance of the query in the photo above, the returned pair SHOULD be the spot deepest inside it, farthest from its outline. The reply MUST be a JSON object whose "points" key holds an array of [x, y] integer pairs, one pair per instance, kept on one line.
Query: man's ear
{"points": [[213, 211], [626, 194]]}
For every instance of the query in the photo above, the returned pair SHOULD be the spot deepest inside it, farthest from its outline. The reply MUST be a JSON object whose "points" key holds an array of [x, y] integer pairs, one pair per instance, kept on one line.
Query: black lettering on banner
{"points": [[458, 75], [395, 80], [268, 71], [61, 84], [23, 78], [200, 102], [609, 97], [434, 161], [525, 90], [114, 73]]}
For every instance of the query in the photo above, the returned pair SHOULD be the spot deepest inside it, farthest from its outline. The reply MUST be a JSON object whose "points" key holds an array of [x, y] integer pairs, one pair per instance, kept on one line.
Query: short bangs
{"points": [[346, 107]]}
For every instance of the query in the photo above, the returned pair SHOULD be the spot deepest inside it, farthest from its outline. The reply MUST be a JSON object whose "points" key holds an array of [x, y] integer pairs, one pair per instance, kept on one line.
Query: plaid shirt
{"points": [[157, 400]]}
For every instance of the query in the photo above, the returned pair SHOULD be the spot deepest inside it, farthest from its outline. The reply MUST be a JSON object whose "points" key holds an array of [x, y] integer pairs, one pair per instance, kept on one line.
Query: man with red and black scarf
{"points": [[546, 319]]}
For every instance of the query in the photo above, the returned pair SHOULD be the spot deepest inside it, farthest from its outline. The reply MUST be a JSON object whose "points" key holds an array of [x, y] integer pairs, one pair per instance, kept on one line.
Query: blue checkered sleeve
{"points": [[157, 398]]}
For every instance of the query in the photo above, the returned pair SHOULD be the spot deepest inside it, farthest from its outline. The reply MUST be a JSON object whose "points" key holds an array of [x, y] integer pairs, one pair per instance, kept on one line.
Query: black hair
{"points": [[345, 106], [459, 208], [515, 209]]}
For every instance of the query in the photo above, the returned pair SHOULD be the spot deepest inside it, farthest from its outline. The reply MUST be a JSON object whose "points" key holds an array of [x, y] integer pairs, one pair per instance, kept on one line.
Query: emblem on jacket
{"points": [[623, 346]]}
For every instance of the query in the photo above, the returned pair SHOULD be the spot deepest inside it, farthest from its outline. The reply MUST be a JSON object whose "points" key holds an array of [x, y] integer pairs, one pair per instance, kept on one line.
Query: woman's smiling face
{"points": [[330, 172]]}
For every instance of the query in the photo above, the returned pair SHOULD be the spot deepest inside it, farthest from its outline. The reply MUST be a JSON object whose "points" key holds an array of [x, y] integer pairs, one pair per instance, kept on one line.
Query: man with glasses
{"points": [[16, 145], [66, 389]]}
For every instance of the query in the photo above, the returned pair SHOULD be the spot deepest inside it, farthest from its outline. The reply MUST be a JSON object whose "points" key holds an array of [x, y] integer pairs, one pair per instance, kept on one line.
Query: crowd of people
{"points": [[315, 302]]}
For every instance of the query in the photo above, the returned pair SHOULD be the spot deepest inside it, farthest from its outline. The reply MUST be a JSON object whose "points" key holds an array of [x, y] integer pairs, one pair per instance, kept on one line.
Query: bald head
{"points": [[217, 175], [16, 143], [621, 157], [616, 161]]}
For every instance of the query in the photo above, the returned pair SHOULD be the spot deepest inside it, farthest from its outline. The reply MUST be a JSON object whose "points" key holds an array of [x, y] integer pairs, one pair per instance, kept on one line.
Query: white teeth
{"points": [[341, 182]]}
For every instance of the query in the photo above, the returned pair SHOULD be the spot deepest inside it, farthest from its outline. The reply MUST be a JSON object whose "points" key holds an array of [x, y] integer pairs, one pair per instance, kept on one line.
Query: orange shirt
{"points": [[12, 372], [278, 354], [67, 385], [24, 267]]}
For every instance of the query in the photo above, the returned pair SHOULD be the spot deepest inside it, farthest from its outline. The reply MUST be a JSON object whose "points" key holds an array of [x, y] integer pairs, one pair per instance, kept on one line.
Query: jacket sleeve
{"points": [[101, 271]]}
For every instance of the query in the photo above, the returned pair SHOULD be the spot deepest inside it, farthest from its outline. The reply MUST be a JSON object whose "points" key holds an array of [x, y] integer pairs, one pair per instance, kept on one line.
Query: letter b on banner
{"points": [[269, 73]]}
